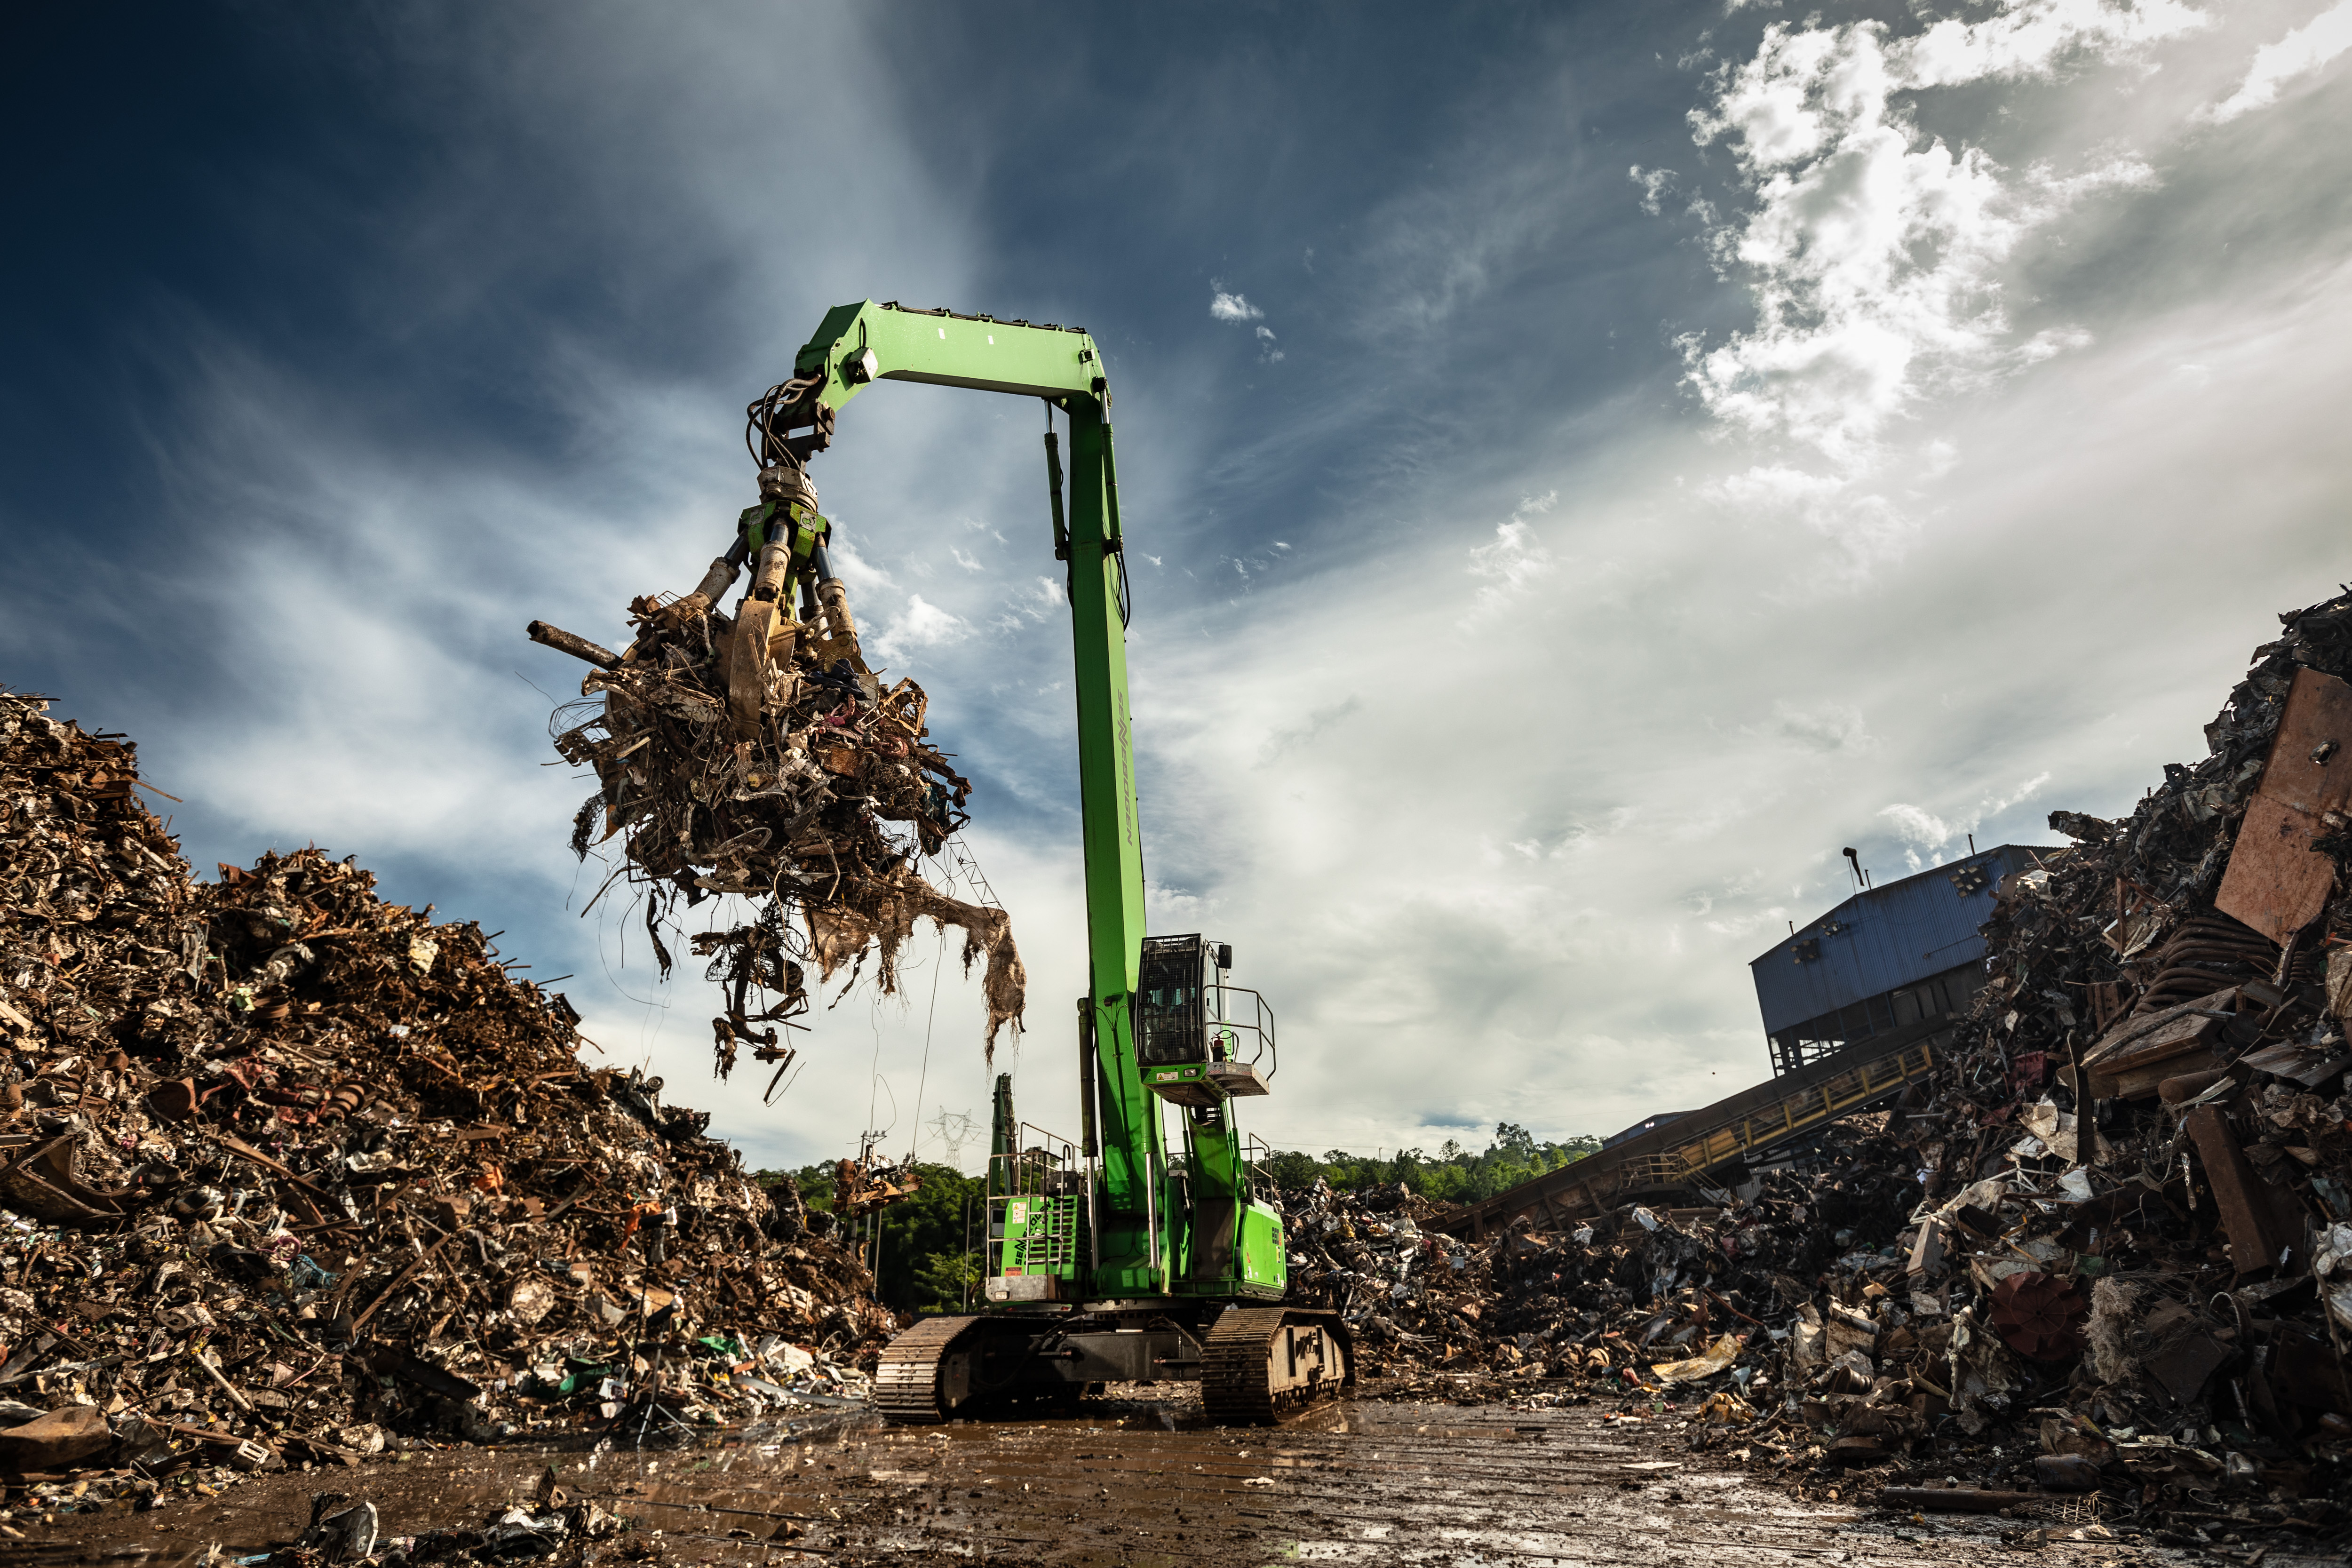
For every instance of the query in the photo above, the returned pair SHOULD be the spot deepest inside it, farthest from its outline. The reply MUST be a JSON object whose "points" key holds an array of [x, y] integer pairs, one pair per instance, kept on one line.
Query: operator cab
{"points": [[1199, 1040]]}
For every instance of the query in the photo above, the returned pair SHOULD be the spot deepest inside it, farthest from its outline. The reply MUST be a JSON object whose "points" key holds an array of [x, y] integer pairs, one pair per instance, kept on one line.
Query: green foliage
{"points": [[1452, 1174], [922, 1236], [947, 1282], [917, 1229], [815, 1183], [1292, 1169]]}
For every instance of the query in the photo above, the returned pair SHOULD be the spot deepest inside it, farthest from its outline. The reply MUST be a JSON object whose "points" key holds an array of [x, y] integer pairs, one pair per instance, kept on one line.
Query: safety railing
{"points": [[1233, 1037], [1038, 1157], [1654, 1171], [1256, 1152], [1042, 1170], [1805, 1109]]}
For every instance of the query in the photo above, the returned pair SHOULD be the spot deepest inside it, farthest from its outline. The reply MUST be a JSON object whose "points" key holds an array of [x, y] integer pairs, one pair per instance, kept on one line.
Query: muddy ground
{"points": [[1135, 1483]]}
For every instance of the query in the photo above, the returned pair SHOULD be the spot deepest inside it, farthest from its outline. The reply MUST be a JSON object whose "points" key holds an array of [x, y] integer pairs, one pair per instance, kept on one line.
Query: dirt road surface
{"points": [[1141, 1484]]}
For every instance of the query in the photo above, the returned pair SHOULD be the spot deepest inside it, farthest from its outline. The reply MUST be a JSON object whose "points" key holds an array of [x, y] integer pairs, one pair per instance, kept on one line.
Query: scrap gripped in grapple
{"points": [[1111, 1258]]}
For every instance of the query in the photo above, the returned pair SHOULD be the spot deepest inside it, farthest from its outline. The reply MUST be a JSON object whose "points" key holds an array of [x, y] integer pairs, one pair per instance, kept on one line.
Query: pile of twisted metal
{"points": [[2104, 1252], [290, 1173]]}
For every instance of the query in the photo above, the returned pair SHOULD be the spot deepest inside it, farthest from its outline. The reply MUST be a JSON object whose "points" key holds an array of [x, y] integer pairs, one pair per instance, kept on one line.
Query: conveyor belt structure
{"points": [[1669, 1161]]}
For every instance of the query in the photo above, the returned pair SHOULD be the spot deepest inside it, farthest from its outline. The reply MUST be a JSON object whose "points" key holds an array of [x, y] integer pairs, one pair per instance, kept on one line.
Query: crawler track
{"points": [[1246, 1379], [906, 1383]]}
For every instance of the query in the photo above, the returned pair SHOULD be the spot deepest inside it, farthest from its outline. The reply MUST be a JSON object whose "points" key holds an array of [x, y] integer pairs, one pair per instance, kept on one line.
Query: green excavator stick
{"points": [[1116, 1257]]}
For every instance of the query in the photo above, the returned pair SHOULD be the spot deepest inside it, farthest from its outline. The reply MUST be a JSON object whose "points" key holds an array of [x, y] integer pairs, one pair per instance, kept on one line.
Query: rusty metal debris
{"points": [[292, 1173], [2133, 1160], [2098, 1261], [1597, 1305], [758, 755]]}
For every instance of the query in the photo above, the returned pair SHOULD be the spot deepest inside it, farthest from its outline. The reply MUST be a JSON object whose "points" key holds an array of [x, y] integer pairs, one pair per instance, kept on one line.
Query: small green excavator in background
{"points": [[1130, 1256]]}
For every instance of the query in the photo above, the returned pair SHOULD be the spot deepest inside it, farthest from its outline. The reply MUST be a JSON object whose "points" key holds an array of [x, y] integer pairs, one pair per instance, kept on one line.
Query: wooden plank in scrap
{"points": [[2257, 1238]]}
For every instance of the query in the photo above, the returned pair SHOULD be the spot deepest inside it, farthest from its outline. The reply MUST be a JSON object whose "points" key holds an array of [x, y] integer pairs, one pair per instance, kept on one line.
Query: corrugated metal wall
{"points": [[1895, 935]]}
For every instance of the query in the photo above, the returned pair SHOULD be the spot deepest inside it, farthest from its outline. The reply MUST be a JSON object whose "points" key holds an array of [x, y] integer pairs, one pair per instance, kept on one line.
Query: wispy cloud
{"points": [[1228, 307], [2300, 54], [1655, 183], [919, 624], [1513, 560], [1827, 726], [862, 575], [1317, 723]]}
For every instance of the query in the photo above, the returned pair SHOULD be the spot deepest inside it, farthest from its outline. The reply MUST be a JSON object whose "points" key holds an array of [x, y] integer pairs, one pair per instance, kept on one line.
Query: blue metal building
{"points": [[1885, 958]]}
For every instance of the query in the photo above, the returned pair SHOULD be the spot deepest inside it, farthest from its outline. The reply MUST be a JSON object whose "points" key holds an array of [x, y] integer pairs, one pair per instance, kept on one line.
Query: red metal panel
{"points": [[2276, 882], [2310, 767]]}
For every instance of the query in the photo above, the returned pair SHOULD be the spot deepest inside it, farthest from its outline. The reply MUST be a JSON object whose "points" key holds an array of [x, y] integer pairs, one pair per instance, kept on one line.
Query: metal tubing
{"points": [[1151, 1204], [578, 647], [1086, 1078], [1054, 490]]}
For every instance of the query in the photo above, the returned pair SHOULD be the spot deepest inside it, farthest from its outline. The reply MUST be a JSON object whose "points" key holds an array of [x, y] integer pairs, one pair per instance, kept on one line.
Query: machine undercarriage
{"points": [[1254, 1364]]}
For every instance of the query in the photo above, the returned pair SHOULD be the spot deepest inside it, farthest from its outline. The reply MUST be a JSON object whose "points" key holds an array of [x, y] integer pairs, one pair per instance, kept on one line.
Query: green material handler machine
{"points": [[1147, 1251]]}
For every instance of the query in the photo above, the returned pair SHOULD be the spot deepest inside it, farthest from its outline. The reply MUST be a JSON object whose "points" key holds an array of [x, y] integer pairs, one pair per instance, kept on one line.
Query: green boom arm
{"points": [[865, 342]]}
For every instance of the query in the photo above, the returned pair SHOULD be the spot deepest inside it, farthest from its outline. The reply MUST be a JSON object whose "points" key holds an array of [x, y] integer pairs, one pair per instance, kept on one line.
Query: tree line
{"points": [[933, 1242]]}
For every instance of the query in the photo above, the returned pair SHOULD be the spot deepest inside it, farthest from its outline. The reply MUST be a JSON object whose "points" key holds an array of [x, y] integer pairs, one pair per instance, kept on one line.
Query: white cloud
{"points": [[1869, 529], [1655, 184], [2300, 53], [1776, 485], [2035, 38], [1228, 307], [920, 624], [1915, 827], [1516, 559], [2024, 792], [1920, 830], [1034, 603], [861, 574], [1875, 251], [966, 561]]}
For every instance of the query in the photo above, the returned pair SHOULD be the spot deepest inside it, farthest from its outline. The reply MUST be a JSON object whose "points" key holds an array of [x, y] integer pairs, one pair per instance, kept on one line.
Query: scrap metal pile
{"points": [[291, 1172], [2133, 1266], [2105, 1253], [1603, 1305], [757, 754]]}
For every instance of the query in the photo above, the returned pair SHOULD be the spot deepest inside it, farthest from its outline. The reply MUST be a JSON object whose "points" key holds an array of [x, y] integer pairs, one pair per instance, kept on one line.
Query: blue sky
{"points": [[1587, 465]]}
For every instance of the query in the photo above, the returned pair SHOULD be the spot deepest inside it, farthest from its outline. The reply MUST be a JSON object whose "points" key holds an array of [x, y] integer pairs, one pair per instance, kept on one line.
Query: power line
{"points": [[938, 961]]}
